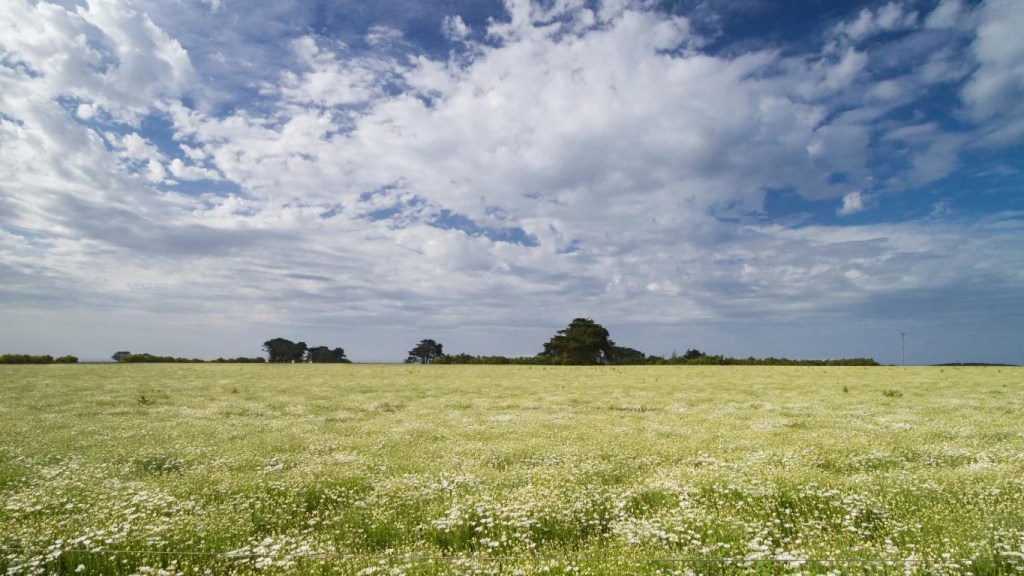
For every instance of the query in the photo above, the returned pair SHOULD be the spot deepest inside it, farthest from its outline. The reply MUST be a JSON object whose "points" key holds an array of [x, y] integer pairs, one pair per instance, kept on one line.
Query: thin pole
{"points": [[903, 348]]}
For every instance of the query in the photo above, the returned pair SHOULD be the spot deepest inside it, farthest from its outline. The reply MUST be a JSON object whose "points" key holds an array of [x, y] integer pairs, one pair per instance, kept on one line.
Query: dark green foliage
{"points": [[464, 358], [583, 341], [281, 350], [660, 361], [68, 359], [145, 358], [324, 355], [425, 352], [118, 356], [701, 359], [26, 359], [240, 360], [693, 354], [624, 355]]}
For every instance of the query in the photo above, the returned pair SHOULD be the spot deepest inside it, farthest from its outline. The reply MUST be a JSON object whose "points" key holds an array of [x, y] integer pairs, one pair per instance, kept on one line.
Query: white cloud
{"points": [[183, 171], [85, 111], [579, 161], [454, 28], [995, 93], [889, 17], [845, 72], [155, 172], [383, 36], [946, 15], [329, 80], [105, 53], [135, 147], [852, 204], [194, 154]]}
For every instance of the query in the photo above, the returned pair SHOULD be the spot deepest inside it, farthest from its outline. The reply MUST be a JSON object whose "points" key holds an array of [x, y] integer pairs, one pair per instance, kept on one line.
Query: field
{"points": [[349, 469]]}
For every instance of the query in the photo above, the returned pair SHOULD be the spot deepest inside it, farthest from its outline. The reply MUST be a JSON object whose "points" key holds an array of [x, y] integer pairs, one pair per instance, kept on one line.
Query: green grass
{"points": [[119, 469]]}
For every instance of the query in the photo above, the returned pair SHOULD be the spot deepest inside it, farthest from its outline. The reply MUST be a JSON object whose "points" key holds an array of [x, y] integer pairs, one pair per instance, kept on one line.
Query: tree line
{"points": [[37, 359], [585, 342], [707, 360], [126, 357], [582, 342]]}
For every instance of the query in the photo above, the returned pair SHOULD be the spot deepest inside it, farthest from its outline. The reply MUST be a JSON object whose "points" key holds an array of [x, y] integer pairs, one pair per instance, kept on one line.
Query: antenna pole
{"points": [[903, 348]]}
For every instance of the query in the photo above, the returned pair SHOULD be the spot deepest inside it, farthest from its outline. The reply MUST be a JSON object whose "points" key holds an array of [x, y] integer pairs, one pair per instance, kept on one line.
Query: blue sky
{"points": [[747, 177]]}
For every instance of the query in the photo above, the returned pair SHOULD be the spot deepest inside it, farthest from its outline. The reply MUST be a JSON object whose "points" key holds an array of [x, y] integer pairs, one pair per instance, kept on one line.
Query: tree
{"points": [[582, 342], [283, 351], [120, 356], [425, 352], [624, 355], [324, 355], [693, 354]]}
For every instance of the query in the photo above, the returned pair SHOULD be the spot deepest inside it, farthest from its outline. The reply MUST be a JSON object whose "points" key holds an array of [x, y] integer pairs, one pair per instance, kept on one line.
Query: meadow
{"points": [[356, 469]]}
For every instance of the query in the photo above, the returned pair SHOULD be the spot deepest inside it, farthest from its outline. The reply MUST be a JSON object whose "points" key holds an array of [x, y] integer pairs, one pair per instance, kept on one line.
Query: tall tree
{"points": [[121, 355], [324, 355], [283, 350], [582, 342], [425, 352]]}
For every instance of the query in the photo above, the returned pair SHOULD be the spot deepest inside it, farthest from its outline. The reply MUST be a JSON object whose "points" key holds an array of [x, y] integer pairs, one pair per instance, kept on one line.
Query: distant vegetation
{"points": [[145, 358], [36, 359], [125, 357], [582, 342], [717, 360], [587, 342], [282, 350], [426, 352]]}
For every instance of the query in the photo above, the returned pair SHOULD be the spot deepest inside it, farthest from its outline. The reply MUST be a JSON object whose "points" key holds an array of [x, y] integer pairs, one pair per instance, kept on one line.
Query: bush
{"points": [[69, 359], [26, 359], [145, 358]]}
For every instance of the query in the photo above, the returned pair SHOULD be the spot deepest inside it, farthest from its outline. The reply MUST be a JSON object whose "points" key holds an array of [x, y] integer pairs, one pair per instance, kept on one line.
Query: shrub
{"points": [[26, 359]]}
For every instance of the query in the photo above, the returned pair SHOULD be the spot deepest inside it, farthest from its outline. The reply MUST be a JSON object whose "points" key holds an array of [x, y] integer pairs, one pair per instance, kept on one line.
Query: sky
{"points": [[799, 178]]}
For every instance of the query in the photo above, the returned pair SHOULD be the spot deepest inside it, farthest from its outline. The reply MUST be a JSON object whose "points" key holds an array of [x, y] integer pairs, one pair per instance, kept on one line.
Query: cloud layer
{"points": [[552, 161]]}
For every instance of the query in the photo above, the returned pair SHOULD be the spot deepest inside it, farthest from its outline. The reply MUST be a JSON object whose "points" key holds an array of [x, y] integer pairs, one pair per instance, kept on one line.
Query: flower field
{"points": [[355, 469]]}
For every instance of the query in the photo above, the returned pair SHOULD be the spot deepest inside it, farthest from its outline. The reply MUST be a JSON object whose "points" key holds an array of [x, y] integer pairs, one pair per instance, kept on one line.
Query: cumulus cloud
{"points": [[105, 53], [574, 157], [329, 80], [183, 171]]}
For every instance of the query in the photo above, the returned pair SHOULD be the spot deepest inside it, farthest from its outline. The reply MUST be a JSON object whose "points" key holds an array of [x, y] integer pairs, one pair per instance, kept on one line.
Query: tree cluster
{"points": [[146, 358], [587, 342], [282, 350], [36, 359], [720, 360], [126, 357], [582, 342], [426, 352]]}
